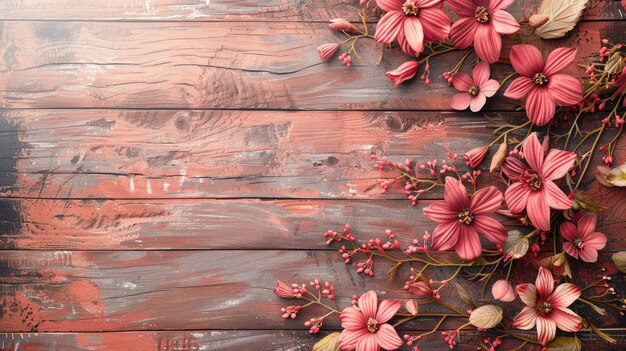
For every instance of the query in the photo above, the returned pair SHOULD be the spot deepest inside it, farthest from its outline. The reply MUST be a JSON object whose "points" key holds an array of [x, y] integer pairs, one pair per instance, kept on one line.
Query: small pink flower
{"points": [[327, 51], [541, 84], [546, 307], [582, 239], [475, 90], [482, 22], [461, 219], [503, 291], [405, 72], [365, 327], [534, 188], [412, 22], [475, 156]]}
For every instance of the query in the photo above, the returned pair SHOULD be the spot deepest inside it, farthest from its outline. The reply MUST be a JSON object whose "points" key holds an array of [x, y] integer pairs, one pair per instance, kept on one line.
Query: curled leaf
{"points": [[617, 176], [487, 316], [329, 343], [342, 25], [558, 264], [498, 157], [582, 201], [565, 343], [562, 17], [465, 297], [516, 244], [619, 258]]}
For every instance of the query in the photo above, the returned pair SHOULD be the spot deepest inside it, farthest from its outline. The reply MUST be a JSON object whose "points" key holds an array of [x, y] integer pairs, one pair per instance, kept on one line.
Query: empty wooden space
{"points": [[163, 162]]}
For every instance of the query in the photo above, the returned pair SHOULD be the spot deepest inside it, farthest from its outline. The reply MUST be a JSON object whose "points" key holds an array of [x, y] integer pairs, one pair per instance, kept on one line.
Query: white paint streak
{"points": [[166, 186], [183, 177], [132, 184], [148, 187], [129, 285]]}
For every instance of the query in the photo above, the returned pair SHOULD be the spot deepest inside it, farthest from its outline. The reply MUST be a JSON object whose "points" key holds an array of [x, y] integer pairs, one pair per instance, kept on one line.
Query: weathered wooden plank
{"points": [[225, 10], [45, 291], [226, 224], [191, 154], [220, 340], [203, 65]]}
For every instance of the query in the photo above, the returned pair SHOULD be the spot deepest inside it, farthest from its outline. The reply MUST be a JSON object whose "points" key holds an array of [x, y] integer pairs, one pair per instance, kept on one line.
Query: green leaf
{"points": [[615, 64], [329, 343], [465, 297], [565, 343]]}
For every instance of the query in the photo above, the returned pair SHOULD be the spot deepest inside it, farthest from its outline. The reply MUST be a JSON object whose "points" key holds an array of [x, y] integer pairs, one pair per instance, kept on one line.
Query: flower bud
{"points": [[503, 291], [284, 290], [537, 21], [406, 71], [327, 51], [342, 25], [475, 156], [498, 157], [421, 289]]}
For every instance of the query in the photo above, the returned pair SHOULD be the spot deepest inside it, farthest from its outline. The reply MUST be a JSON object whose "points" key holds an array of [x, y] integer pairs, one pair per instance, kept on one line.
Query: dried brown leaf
{"points": [[329, 343]]}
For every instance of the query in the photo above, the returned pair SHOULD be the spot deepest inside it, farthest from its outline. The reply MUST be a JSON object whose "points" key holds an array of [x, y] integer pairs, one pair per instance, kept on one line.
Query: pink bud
{"points": [[421, 289], [342, 25], [327, 51], [537, 21], [475, 156], [502, 290], [405, 72]]}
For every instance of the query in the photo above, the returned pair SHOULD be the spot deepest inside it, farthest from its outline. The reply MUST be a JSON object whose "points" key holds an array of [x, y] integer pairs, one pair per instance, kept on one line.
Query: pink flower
{"points": [[503, 291], [546, 307], [482, 23], [405, 72], [474, 92], [620, 83], [412, 22], [475, 156], [541, 83], [534, 187], [365, 327], [582, 239], [461, 219], [326, 51]]}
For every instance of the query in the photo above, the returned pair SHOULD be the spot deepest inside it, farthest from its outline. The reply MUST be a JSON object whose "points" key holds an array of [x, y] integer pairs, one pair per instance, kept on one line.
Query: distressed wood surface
{"points": [[227, 10], [69, 291], [203, 65]]}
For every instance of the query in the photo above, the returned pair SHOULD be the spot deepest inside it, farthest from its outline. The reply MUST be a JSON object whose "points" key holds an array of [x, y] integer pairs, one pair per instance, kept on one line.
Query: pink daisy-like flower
{"points": [[546, 307], [482, 23], [541, 84], [412, 22], [582, 239], [461, 219], [534, 188], [365, 327], [475, 90]]}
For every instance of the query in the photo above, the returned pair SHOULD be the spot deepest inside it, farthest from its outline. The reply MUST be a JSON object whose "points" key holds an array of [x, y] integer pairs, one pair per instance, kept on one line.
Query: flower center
{"points": [[372, 325], [473, 91], [540, 79], [578, 242], [531, 178], [466, 217], [544, 307], [481, 14], [410, 8]]}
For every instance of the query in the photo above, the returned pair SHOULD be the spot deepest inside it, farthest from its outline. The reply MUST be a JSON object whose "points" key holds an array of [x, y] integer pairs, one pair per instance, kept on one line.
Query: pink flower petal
{"points": [[565, 90], [440, 212], [481, 73], [386, 310], [566, 319], [455, 194], [495, 5], [368, 343], [569, 231], [463, 8], [435, 23], [544, 283], [428, 3], [414, 33], [487, 43], [528, 294], [546, 329], [463, 31], [538, 209], [352, 319], [564, 295], [555, 197], [445, 236], [486, 201], [587, 224], [570, 249], [389, 26], [490, 228], [595, 240], [461, 101], [513, 168], [349, 338], [520, 88], [462, 82], [558, 60], [390, 5], [526, 60], [533, 152], [540, 107], [404, 45], [368, 304], [516, 197], [588, 254], [526, 319], [557, 164], [477, 102], [489, 88], [468, 246], [503, 22], [387, 337]]}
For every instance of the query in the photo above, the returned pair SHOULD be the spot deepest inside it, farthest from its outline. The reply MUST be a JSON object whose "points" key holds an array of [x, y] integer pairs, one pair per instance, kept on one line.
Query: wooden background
{"points": [[163, 162]]}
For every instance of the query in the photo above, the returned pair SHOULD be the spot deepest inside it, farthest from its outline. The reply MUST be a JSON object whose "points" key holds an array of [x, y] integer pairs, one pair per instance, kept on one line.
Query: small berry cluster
{"points": [[346, 59], [290, 311], [492, 344]]}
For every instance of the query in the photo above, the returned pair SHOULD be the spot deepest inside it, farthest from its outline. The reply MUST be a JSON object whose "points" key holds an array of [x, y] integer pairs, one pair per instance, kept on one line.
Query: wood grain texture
{"points": [[68, 291], [225, 154], [228, 224], [226, 10], [202, 65], [236, 340]]}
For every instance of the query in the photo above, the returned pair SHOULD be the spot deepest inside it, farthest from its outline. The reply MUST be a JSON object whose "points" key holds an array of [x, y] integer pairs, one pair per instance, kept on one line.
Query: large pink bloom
{"points": [[534, 188], [482, 23], [546, 307], [412, 22], [582, 239], [365, 327], [461, 219], [473, 91], [541, 84]]}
